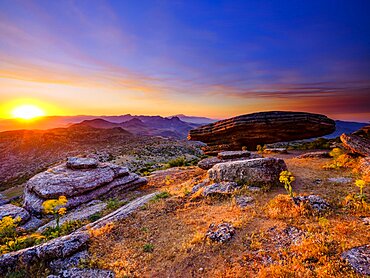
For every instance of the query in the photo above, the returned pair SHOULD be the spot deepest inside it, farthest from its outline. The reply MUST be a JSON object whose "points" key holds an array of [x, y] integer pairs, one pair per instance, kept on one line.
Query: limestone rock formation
{"points": [[14, 212], [78, 185], [260, 128], [359, 259], [356, 144], [258, 171]]}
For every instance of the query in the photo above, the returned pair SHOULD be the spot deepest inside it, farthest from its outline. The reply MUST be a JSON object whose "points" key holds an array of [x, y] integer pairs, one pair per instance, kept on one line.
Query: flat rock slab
{"points": [[81, 163], [259, 171], [84, 273], [340, 180], [261, 128], [233, 154], [359, 259], [323, 154], [14, 212], [356, 144], [275, 150], [221, 188], [81, 213]]}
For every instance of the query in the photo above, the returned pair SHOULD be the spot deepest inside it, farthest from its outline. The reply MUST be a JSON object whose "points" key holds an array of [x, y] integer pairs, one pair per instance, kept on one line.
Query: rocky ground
{"points": [[169, 237]]}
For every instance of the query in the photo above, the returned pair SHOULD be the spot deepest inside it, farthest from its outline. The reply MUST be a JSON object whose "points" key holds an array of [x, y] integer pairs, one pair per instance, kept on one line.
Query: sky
{"points": [[208, 58]]}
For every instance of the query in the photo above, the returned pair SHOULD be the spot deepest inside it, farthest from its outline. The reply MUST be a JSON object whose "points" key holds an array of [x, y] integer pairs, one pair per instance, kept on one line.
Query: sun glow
{"points": [[27, 112]]}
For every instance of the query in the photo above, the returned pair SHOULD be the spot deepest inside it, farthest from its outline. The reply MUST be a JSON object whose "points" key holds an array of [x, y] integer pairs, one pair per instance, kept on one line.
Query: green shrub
{"points": [[148, 248]]}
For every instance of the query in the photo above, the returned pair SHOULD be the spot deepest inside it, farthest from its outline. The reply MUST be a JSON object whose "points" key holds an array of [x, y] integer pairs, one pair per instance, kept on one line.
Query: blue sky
{"points": [[210, 58]]}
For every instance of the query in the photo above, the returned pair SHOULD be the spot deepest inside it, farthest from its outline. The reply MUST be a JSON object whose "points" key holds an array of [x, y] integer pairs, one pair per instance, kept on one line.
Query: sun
{"points": [[27, 112]]}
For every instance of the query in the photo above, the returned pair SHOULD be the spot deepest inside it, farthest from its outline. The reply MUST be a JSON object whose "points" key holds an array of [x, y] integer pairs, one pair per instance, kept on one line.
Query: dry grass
{"points": [[175, 228]]}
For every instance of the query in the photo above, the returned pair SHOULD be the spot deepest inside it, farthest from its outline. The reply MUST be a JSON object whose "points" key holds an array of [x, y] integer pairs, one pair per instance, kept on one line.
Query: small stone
{"points": [[14, 212], [221, 233], [359, 259], [254, 188], [312, 202], [243, 201], [222, 188], [81, 163], [340, 180]]}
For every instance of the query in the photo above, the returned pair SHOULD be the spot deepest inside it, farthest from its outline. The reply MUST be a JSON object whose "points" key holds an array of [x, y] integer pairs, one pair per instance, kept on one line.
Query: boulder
{"points": [[359, 259], [221, 188], [78, 185], [321, 154], [220, 233], [356, 144], [258, 171], [312, 202], [260, 128], [81, 163], [233, 154], [14, 212], [209, 162]]}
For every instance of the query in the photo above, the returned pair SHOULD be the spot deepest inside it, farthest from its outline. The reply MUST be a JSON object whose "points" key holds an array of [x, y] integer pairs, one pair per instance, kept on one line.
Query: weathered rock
{"points": [[356, 144], [243, 201], [363, 132], [359, 259], [312, 202], [220, 233], [80, 213], [70, 262], [78, 185], [364, 168], [3, 200], [81, 163], [61, 180], [221, 188], [233, 154], [14, 212], [32, 224], [261, 128], [259, 171], [208, 163], [84, 273], [275, 150], [197, 187], [321, 154]]}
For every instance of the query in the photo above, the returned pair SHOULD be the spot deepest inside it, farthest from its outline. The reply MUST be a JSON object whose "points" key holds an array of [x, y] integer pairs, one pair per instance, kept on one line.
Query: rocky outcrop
{"points": [[14, 212], [208, 163], [359, 259], [258, 172], [363, 132], [64, 247], [261, 128], [81, 163], [356, 144], [78, 185], [220, 233]]}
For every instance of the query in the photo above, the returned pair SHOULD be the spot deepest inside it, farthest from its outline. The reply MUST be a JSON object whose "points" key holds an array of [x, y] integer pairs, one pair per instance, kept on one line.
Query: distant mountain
{"points": [[195, 120], [345, 127], [145, 125]]}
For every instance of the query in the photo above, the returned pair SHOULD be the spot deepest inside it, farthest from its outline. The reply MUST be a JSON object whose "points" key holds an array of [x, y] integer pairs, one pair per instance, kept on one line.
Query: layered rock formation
{"points": [[261, 128], [80, 180], [208, 163], [356, 144]]}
